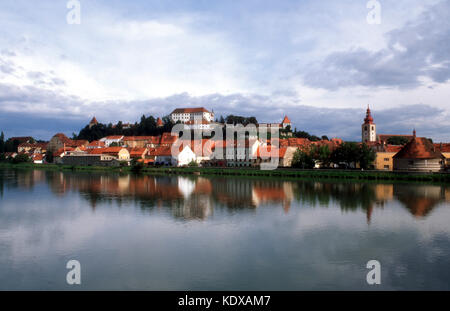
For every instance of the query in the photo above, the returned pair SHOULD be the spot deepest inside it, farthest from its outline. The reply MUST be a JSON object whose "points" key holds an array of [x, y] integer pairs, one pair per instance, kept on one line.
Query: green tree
{"points": [[366, 156], [347, 153], [2, 142], [21, 158], [397, 140], [193, 164], [321, 154], [49, 157], [303, 159]]}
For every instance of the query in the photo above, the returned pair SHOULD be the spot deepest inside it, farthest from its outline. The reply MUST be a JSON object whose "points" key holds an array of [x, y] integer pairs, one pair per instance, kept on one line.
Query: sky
{"points": [[319, 62]]}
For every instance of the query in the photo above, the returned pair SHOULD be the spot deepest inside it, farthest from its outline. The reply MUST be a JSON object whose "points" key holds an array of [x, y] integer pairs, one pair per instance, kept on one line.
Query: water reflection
{"points": [[197, 197]]}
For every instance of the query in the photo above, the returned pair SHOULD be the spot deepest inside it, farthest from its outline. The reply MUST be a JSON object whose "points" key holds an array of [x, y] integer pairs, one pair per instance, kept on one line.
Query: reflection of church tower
{"points": [[369, 129]]}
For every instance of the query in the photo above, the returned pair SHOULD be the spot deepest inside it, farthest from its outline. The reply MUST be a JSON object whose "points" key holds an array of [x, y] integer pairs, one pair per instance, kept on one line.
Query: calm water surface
{"points": [[198, 233]]}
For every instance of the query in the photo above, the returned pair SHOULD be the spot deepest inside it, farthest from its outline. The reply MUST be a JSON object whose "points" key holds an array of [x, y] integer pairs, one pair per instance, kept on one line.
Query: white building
{"points": [[241, 154], [118, 139], [184, 115]]}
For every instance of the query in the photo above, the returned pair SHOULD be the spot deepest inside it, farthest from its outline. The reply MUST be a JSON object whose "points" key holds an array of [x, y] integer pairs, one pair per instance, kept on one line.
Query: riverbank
{"points": [[279, 173]]}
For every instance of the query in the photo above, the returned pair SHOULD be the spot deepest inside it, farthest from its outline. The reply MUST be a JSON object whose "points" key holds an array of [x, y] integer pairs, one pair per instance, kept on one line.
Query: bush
{"points": [[193, 164], [21, 158], [303, 160]]}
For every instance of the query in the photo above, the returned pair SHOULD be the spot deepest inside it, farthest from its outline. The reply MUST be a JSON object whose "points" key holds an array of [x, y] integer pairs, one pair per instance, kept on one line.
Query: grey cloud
{"points": [[69, 114], [420, 48]]}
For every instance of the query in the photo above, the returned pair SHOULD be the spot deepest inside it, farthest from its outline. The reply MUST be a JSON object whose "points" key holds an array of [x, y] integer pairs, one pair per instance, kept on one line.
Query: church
{"points": [[419, 154]]}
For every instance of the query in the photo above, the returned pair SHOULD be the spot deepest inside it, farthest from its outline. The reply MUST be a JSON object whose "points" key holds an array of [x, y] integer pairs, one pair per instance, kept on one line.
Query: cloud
{"points": [[68, 114], [415, 51]]}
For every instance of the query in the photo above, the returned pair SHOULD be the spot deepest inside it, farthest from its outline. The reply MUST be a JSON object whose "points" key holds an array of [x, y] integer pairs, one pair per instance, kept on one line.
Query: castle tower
{"points": [[93, 122], [159, 123], [369, 129]]}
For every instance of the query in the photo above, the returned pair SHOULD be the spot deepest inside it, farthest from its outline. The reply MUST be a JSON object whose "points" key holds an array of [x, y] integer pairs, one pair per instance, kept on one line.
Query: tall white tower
{"points": [[369, 129]]}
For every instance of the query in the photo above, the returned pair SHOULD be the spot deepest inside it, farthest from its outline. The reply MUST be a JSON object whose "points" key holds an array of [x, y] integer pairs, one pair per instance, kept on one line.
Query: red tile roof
{"points": [[159, 122], [190, 110], [96, 143], [443, 147], [419, 148], [286, 120]]}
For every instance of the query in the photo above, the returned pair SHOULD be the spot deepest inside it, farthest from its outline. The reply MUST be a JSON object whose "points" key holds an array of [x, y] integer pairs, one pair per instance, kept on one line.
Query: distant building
{"points": [[384, 159], [109, 140], [369, 128], [21, 140], [93, 122], [62, 141], [159, 123], [185, 115], [286, 122], [419, 155]]}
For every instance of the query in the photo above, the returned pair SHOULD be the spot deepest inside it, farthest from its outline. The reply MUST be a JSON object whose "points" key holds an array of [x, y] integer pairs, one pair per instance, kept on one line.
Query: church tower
{"points": [[369, 129]]}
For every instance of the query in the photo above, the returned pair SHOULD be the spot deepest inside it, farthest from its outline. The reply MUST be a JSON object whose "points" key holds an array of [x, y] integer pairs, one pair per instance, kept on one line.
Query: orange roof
{"points": [[286, 120], [190, 110], [419, 148], [38, 157], [138, 138], [392, 148], [61, 150], [203, 121], [63, 138], [109, 150], [167, 138], [270, 151], [137, 152], [96, 143], [113, 137], [93, 121], [443, 147], [159, 122], [161, 151]]}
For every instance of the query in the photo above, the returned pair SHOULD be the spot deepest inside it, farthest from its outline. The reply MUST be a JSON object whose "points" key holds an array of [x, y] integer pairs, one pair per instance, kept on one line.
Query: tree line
{"points": [[347, 155], [146, 127]]}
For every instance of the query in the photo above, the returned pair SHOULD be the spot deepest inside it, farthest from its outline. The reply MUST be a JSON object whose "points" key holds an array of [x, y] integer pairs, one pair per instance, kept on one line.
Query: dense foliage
{"points": [[146, 127], [347, 155], [232, 119], [397, 140]]}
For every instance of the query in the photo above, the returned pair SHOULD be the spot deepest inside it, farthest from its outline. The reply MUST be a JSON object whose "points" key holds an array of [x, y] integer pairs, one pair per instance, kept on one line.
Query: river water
{"points": [[218, 233]]}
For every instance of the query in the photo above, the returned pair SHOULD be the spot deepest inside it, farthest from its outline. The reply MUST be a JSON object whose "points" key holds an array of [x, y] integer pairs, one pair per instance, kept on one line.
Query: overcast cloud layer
{"points": [[319, 62]]}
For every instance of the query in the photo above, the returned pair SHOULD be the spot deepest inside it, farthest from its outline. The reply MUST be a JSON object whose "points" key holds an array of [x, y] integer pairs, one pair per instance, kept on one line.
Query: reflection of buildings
{"points": [[271, 192], [421, 199], [196, 197]]}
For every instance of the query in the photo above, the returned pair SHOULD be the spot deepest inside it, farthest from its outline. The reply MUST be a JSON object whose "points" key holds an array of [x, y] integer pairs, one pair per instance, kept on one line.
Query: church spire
{"points": [[368, 119]]}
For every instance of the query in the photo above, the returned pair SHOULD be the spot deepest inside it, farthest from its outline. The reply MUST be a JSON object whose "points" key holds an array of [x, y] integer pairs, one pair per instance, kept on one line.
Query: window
{"points": [[386, 159], [411, 162], [386, 167]]}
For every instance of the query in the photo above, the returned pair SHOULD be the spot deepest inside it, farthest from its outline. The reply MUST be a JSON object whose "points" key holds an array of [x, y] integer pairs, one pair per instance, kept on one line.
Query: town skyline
{"points": [[319, 63]]}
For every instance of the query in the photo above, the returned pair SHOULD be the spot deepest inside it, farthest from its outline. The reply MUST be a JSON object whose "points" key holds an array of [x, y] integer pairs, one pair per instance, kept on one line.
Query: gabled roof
{"points": [[96, 143], [114, 137], [286, 120], [159, 122], [443, 147], [93, 121], [419, 148], [190, 110]]}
